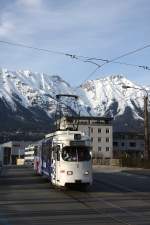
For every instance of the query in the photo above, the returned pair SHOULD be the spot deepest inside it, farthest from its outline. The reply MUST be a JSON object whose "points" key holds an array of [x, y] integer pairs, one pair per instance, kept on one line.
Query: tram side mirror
{"points": [[58, 156], [58, 147], [58, 153]]}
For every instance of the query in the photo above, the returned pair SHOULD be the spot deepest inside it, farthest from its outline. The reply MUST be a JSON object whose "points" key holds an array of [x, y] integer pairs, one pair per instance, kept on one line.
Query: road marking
{"points": [[135, 175]]}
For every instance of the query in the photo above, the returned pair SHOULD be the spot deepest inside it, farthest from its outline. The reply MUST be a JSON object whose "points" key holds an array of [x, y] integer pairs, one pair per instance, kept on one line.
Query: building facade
{"points": [[100, 132], [1, 156], [11, 151], [129, 144]]}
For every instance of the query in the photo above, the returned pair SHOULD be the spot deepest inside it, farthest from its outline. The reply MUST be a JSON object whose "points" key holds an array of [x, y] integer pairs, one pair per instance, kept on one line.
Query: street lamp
{"points": [[146, 131]]}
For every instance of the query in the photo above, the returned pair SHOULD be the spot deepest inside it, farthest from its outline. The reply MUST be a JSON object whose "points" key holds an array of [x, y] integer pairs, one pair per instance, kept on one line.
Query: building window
{"points": [[99, 148], [132, 144], [107, 130], [122, 144], [99, 139], [107, 139], [107, 149], [115, 143], [91, 130], [99, 130], [91, 139]]}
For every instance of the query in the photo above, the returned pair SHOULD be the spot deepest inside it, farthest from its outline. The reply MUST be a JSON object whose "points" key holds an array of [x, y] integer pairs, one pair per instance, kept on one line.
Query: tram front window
{"points": [[73, 154]]}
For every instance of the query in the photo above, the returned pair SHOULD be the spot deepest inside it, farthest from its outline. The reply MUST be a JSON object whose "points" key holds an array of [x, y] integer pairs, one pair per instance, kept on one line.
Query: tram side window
{"points": [[46, 152], [57, 152], [35, 151], [58, 156]]}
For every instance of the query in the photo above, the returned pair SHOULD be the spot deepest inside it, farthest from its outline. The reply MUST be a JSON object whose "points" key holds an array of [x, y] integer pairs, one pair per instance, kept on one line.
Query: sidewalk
{"points": [[106, 169], [115, 169]]}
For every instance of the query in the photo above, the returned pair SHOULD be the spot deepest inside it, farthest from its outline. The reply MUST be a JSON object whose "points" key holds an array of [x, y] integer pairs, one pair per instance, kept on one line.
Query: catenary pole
{"points": [[146, 122]]}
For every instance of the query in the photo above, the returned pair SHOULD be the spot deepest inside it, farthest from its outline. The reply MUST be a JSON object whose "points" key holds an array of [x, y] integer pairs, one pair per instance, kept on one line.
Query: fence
{"points": [[135, 162]]}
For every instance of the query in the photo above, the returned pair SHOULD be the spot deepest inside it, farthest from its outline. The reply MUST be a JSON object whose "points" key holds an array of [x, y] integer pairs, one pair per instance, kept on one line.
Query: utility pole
{"points": [[146, 131], [146, 124]]}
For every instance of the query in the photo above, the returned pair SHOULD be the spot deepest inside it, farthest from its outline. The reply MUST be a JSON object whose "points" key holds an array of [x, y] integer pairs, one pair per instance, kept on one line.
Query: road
{"points": [[116, 198]]}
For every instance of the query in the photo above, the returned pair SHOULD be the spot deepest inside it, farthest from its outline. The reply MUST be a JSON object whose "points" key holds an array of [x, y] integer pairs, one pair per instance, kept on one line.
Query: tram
{"points": [[65, 158], [29, 154]]}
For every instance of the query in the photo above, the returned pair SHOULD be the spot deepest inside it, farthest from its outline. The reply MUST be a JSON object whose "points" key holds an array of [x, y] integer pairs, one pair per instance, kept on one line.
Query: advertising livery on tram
{"points": [[65, 158]]}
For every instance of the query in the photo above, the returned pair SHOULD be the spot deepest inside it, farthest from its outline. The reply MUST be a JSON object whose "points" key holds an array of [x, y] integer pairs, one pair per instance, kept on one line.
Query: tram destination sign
{"points": [[77, 143]]}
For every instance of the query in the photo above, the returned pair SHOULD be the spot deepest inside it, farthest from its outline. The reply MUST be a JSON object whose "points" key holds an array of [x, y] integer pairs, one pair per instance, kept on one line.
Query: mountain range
{"points": [[27, 100]]}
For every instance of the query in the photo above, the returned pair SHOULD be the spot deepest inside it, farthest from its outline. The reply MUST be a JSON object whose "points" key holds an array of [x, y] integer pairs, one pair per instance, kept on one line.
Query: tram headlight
{"points": [[86, 173], [69, 172]]}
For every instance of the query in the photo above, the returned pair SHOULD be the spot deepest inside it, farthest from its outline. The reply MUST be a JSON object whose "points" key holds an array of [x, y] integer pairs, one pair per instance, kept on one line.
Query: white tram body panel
{"points": [[65, 158], [29, 155], [70, 174], [38, 159]]}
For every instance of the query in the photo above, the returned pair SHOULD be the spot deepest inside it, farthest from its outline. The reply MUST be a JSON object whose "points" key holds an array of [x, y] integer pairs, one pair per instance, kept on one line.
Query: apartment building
{"points": [[99, 130], [129, 143]]}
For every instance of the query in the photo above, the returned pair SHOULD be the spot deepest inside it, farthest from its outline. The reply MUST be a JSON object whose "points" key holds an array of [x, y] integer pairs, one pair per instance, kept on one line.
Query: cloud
{"points": [[6, 29], [71, 21], [87, 27], [30, 3]]}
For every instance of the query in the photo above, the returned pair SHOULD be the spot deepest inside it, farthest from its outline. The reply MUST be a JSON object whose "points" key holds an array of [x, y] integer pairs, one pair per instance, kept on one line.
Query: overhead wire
{"points": [[85, 59], [131, 52], [134, 65], [31, 47], [73, 56], [123, 55], [122, 63], [106, 61]]}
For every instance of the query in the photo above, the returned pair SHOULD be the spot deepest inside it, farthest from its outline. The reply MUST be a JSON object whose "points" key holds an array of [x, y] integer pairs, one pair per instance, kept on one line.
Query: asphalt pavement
{"points": [[116, 197]]}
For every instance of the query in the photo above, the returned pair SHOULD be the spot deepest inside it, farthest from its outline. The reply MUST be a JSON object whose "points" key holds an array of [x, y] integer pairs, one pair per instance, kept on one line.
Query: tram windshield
{"points": [[73, 154]]}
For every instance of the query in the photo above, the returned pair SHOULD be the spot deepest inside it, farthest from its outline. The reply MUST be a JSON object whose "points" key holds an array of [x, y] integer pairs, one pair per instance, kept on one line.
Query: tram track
{"points": [[106, 202], [87, 199], [95, 209], [122, 188]]}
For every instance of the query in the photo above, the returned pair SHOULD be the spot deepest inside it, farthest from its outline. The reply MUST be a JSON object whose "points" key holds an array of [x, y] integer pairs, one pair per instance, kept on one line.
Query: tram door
{"points": [[55, 164], [53, 167]]}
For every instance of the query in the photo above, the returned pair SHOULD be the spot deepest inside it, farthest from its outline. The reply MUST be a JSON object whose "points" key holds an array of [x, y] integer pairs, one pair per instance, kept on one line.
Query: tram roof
{"points": [[62, 132]]}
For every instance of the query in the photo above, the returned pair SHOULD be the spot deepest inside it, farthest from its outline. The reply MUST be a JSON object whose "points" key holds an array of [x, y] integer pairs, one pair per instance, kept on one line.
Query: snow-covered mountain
{"points": [[27, 100], [107, 96]]}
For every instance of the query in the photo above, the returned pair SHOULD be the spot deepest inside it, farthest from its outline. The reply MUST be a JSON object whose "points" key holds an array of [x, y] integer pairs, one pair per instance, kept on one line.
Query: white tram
{"points": [[29, 154], [65, 157]]}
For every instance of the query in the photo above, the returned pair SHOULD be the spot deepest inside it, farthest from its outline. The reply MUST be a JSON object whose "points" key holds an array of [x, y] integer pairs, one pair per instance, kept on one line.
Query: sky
{"points": [[95, 28]]}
